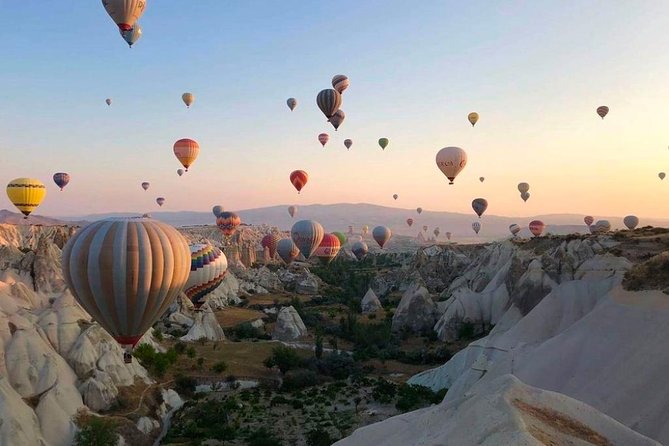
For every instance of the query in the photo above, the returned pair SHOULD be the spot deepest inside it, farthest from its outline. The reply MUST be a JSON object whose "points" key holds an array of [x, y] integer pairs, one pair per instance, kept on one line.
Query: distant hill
{"points": [[14, 218], [338, 217]]}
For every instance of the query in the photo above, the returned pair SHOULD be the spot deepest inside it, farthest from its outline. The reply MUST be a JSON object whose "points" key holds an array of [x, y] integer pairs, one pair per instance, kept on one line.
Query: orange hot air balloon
{"points": [[299, 179], [323, 138], [537, 227], [227, 222], [186, 151], [328, 248]]}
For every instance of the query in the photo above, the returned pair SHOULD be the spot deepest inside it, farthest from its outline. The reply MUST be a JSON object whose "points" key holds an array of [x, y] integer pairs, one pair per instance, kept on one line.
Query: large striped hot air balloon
{"points": [[631, 221], [160, 201], [216, 210], [328, 101], [124, 12], [125, 273], [299, 179], [292, 210], [61, 179], [473, 118], [307, 235], [359, 249], [337, 119], [537, 227], [328, 248], [292, 103], [270, 241], [186, 150], [479, 205], [26, 194], [451, 160], [287, 250], [188, 99], [602, 226], [208, 266], [227, 222], [323, 138], [381, 234], [145, 185], [340, 83], [602, 111], [476, 226]]}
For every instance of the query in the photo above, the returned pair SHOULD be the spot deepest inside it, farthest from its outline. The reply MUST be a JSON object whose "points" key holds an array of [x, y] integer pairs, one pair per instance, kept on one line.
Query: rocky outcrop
{"points": [[416, 312], [370, 303], [306, 283], [205, 326], [289, 325]]}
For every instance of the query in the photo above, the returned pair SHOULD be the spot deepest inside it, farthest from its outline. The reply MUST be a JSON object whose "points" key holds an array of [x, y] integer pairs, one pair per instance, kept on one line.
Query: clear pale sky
{"points": [[534, 71]]}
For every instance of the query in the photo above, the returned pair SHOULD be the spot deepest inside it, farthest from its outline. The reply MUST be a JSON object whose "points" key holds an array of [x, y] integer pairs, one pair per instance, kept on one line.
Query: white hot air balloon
{"points": [[451, 160]]}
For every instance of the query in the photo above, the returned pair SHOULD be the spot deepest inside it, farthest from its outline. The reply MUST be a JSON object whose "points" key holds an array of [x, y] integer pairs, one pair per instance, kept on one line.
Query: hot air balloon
{"points": [[525, 196], [588, 220], [537, 227], [323, 138], [208, 266], [342, 237], [359, 249], [292, 103], [132, 35], [514, 229], [329, 102], [602, 111], [523, 187], [395, 196], [186, 151], [424, 228], [476, 226], [124, 12], [227, 222], [188, 99], [180, 172], [631, 221], [419, 210], [160, 201], [108, 101], [340, 83], [292, 210], [365, 230], [216, 210], [337, 119], [662, 175], [61, 179], [350, 229], [409, 221], [381, 234], [299, 178], [307, 235], [287, 250], [125, 273], [451, 160], [436, 232], [383, 142], [473, 118], [348, 143], [145, 185], [26, 194], [448, 235], [602, 226], [479, 205], [328, 248], [481, 179], [270, 241]]}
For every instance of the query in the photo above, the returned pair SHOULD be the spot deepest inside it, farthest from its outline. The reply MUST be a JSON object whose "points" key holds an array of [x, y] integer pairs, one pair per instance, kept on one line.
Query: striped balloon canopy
{"points": [[26, 194], [328, 101], [126, 272], [299, 179], [307, 235], [537, 227], [186, 150], [227, 222], [287, 250], [328, 248], [381, 234], [340, 82], [270, 241], [208, 266], [61, 179]]}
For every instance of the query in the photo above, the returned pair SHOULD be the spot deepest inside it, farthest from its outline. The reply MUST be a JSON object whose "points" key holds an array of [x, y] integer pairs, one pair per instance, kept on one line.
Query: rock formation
{"points": [[289, 325]]}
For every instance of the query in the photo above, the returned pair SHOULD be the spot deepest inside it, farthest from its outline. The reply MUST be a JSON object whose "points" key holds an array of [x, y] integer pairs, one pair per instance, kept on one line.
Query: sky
{"points": [[534, 71]]}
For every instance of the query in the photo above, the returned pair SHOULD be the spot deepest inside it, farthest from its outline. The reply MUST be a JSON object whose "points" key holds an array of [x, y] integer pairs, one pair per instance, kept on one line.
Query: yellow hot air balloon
{"points": [[26, 194], [188, 99], [186, 150], [473, 118]]}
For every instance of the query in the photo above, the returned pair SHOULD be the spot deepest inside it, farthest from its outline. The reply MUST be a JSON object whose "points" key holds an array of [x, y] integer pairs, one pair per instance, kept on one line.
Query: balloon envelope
{"points": [[419, 210], [395, 196], [602, 111], [160, 201], [216, 210], [340, 83], [61, 179], [307, 235], [662, 175], [476, 226], [208, 266], [108, 101], [602, 226], [323, 138], [383, 142], [124, 12], [299, 179], [451, 161], [381, 234], [342, 237], [287, 250], [631, 221], [292, 103], [525, 196], [227, 222], [479, 205], [359, 249], [537, 227], [186, 150], [473, 118], [188, 99], [328, 101], [348, 143], [337, 119], [588, 220], [145, 185], [26, 194], [270, 241], [126, 272], [514, 229], [409, 221], [523, 187], [328, 248], [481, 179], [292, 210], [180, 172]]}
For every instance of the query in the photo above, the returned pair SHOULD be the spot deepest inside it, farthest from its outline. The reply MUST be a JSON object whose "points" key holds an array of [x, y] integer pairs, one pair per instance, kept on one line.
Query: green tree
{"points": [[319, 437], [285, 358], [318, 342], [95, 431]]}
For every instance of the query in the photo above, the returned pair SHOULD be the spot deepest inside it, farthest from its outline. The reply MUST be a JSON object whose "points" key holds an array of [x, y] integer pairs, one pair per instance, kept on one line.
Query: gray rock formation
{"points": [[370, 303], [289, 325], [416, 312]]}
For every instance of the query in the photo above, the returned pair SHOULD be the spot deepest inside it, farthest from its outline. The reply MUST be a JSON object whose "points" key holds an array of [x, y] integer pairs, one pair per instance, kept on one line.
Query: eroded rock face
{"points": [[416, 312], [289, 325], [370, 303], [205, 326], [306, 283]]}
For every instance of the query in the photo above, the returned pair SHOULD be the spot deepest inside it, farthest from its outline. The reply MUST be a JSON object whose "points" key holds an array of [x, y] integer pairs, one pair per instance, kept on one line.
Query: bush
{"points": [[466, 330], [285, 358], [319, 437], [384, 391], [263, 437], [180, 348], [338, 365], [411, 397], [299, 379], [246, 331], [190, 352], [219, 367], [157, 363], [185, 385], [95, 431]]}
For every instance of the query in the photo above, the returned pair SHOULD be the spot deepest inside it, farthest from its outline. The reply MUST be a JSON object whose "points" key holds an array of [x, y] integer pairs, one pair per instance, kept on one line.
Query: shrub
{"points": [[299, 379], [95, 431], [185, 385], [180, 348], [219, 367], [466, 330], [190, 352], [319, 437], [263, 437], [285, 358]]}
